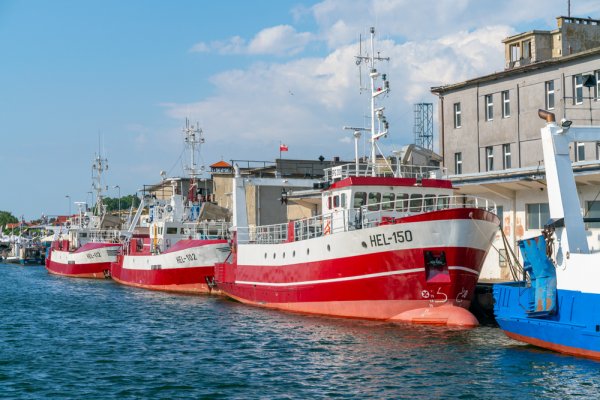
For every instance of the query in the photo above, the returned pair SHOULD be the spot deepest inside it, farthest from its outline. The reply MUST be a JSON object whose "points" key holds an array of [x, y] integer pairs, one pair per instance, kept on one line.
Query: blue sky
{"points": [[252, 73]]}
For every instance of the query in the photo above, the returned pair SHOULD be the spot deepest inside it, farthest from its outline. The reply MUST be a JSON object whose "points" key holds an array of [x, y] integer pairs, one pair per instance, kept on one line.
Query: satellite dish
{"points": [[169, 208], [163, 175]]}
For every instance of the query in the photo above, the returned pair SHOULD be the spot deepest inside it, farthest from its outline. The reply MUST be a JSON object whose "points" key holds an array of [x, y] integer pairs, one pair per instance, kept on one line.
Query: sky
{"points": [[121, 77]]}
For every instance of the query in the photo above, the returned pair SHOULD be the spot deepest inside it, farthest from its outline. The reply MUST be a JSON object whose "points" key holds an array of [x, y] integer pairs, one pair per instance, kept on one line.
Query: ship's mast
{"points": [[193, 139], [376, 113], [100, 165]]}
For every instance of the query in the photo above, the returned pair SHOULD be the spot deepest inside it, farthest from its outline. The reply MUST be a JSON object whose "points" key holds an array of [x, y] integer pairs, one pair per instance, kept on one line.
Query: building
{"points": [[490, 132], [268, 204]]}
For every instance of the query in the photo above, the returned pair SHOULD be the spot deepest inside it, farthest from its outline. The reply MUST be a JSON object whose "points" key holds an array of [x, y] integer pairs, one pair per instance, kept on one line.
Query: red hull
{"points": [[387, 285], [80, 269], [181, 280], [402, 284], [94, 271]]}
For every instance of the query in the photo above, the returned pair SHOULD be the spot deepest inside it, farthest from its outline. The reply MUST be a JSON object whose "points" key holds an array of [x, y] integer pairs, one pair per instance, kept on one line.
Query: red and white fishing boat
{"points": [[180, 253], [83, 248], [392, 243]]}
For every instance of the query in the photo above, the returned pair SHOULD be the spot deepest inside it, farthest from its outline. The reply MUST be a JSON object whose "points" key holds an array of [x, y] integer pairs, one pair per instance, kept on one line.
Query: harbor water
{"points": [[95, 339]]}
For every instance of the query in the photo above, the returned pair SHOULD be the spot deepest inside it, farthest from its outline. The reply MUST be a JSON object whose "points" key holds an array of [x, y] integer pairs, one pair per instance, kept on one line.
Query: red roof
{"points": [[221, 164], [61, 219], [389, 181], [373, 181]]}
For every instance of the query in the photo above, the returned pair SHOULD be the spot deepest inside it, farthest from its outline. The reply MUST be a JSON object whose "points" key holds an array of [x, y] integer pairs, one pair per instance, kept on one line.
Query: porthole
{"points": [[328, 248], [266, 254], [364, 245], [284, 254], [307, 251], [273, 255], [294, 253]]}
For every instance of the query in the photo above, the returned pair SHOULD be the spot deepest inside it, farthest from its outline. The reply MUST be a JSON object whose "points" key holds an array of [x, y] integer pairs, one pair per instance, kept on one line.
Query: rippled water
{"points": [[71, 338]]}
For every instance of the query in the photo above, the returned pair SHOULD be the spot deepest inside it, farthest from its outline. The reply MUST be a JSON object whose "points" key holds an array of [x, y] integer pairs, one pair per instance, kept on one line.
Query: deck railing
{"points": [[366, 216], [208, 229], [384, 170]]}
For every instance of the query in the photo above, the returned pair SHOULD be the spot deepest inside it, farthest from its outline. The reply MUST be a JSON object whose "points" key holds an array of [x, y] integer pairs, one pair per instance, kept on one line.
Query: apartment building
{"points": [[489, 135]]}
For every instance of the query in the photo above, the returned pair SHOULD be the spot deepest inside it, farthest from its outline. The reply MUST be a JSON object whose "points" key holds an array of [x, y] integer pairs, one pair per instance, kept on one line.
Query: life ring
{"points": [[327, 228]]}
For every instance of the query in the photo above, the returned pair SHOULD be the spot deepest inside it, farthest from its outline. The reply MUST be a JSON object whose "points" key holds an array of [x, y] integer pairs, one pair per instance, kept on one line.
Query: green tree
{"points": [[7, 218], [112, 204]]}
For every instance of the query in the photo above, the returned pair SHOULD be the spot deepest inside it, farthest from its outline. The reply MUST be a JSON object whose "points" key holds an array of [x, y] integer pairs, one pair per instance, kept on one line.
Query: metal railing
{"points": [[208, 229], [374, 214], [384, 170], [366, 216]]}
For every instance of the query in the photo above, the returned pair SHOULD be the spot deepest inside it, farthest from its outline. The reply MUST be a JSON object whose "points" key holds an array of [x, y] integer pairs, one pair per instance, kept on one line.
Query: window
{"points": [[458, 163], [537, 215], [580, 152], [515, 52], [343, 200], [457, 114], [500, 213], [505, 104], [360, 199], [578, 89], [597, 88], [502, 258], [374, 201], [329, 205], [550, 95], [429, 202], [172, 231], [489, 107], [527, 49], [402, 202], [336, 201], [506, 162], [489, 158], [387, 201], [593, 211], [443, 202], [416, 202]]}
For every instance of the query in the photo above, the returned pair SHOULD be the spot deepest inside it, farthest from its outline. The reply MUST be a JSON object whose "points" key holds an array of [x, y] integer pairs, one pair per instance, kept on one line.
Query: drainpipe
{"points": [[519, 122], [478, 146], [442, 130]]}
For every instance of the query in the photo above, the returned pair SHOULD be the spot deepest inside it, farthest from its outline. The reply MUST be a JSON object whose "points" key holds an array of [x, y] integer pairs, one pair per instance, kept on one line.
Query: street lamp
{"points": [[69, 197], [119, 188]]}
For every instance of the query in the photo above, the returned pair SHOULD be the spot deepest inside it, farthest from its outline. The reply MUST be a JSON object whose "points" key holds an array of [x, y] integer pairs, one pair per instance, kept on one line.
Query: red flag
{"points": [[283, 147]]}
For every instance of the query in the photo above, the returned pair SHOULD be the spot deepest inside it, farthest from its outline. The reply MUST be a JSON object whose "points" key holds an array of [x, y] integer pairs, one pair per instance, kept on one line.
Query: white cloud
{"points": [[278, 40], [305, 102], [340, 21], [200, 48]]}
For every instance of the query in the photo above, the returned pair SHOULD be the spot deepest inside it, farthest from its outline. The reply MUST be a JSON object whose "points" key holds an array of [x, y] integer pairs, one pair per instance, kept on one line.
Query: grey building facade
{"points": [[489, 131]]}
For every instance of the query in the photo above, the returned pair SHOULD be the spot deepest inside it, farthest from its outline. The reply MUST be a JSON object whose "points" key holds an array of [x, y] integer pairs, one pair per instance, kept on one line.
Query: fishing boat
{"points": [[22, 250], [84, 246], [556, 306], [182, 248], [393, 242]]}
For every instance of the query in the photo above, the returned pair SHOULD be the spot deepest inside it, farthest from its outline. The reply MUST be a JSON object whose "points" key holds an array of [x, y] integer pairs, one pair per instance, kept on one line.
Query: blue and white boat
{"points": [[558, 307]]}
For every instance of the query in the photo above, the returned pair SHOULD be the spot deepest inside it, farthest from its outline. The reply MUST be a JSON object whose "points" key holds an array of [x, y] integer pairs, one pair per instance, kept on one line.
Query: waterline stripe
{"points": [[465, 269], [348, 278]]}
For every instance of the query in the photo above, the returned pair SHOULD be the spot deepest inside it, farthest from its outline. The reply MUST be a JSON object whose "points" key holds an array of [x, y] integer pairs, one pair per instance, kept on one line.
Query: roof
{"points": [[515, 71], [389, 181], [221, 164]]}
